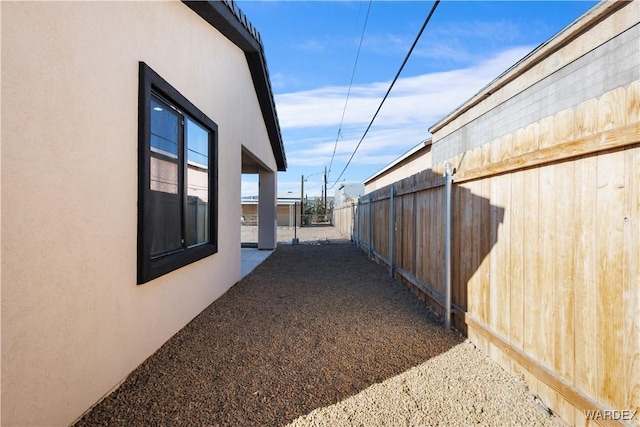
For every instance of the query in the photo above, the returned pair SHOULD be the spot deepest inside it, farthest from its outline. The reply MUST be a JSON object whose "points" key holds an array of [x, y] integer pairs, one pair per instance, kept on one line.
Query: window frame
{"points": [[149, 268]]}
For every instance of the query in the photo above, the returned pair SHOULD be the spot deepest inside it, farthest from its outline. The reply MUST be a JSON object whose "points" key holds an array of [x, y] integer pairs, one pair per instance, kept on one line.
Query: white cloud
{"points": [[310, 119], [412, 100]]}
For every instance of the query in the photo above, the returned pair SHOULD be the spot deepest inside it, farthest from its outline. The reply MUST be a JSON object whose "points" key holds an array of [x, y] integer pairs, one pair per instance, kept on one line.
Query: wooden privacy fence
{"points": [[545, 251]]}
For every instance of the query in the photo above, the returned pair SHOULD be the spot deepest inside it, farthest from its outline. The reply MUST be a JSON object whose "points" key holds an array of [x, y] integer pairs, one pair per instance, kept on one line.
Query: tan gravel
{"points": [[307, 234], [318, 335]]}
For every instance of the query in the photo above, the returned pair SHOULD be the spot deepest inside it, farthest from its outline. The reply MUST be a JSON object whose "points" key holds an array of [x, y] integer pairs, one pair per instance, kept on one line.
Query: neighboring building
{"points": [[346, 192], [410, 163], [288, 211], [126, 127]]}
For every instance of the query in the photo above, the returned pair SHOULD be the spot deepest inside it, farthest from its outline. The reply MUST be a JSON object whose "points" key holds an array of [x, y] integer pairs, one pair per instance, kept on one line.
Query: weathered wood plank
{"points": [[610, 240], [631, 279], [585, 303], [409, 233], [586, 119], [612, 110], [545, 375], [545, 344], [422, 235], [595, 143], [546, 136], [437, 265], [567, 221], [457, 294], [485, 248], [531, 289], [398, 225], [516, 260]]}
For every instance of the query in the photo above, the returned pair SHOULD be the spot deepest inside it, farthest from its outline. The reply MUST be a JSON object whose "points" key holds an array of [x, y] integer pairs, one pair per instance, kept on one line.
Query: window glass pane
{"points": [[165, 221], [197, 143], [165, 200], [165, 127], [164, 175]]}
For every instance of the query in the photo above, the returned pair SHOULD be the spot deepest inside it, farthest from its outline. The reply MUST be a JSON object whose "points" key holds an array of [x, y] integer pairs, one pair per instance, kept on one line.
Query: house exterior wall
{"points": [[410, 166], [74, 322]]}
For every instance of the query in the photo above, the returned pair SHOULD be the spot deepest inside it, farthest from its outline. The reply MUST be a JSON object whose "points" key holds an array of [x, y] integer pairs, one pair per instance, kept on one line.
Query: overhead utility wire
{"points": [[353, 73], [433, 9]]}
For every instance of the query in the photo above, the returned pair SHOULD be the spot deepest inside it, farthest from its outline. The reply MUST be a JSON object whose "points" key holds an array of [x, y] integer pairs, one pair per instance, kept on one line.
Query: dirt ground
{"points": [[318, 335], [307, 234]]}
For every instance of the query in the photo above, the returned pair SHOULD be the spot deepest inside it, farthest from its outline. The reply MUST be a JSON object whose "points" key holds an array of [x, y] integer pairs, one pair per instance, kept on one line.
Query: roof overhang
{"points": [[227, 18]]}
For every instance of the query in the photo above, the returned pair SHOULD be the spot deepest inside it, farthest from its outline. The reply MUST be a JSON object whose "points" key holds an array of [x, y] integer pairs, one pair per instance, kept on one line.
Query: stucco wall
{"points": [[74, 322]]}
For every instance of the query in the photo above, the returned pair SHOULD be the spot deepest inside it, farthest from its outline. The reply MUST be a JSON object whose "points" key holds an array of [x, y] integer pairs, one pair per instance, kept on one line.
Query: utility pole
{"points": [[325, 189], [301, 198]]}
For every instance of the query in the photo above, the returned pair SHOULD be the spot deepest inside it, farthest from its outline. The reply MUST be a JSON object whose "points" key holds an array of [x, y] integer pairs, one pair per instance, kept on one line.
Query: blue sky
{"points": [[311, 47]]}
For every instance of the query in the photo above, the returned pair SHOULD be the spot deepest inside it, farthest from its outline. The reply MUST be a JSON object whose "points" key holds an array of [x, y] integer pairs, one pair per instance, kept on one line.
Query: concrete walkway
{"points": [[251, 258]]}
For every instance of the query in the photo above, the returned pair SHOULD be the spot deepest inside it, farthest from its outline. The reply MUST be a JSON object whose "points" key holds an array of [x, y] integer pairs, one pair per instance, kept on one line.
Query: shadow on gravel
{"points": [[311, 326]]}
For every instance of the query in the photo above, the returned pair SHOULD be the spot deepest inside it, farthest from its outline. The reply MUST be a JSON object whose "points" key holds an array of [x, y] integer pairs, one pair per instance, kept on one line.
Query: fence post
{"points": [[353, 221], [358, 225], [295, 240], [391, 232], [370, 228], [447, 246]]}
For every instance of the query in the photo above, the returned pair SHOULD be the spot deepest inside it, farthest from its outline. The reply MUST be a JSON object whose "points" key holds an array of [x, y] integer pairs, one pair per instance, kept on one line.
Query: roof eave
{"points": [[234, 25]]}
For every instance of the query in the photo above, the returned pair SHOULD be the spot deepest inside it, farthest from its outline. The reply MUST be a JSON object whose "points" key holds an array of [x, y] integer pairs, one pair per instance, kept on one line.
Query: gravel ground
{"points": [[318, 335], [307, 234]]}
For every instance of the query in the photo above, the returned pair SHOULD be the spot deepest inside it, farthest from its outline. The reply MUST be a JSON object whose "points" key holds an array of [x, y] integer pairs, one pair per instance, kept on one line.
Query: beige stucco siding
{"points": [[74, 322]]}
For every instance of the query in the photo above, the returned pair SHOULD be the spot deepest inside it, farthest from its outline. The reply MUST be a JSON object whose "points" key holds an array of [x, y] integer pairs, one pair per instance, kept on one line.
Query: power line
{"points": [[353, 73], [433, 9]]}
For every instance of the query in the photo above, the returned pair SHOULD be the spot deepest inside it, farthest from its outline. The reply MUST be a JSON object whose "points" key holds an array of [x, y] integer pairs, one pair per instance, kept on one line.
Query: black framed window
{"points": [[177, 194]]}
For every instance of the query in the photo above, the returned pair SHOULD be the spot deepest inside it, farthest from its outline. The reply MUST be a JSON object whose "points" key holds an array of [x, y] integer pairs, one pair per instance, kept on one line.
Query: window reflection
{"points": [[197, 141]]}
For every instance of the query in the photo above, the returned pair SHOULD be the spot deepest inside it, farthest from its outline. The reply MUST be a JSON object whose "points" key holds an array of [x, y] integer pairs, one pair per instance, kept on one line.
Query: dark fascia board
{"points": [[227, 18]]}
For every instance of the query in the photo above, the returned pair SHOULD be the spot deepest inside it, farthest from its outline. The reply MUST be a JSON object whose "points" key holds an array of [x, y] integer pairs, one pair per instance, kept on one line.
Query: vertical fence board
{"points": [[462, 235], [631, 276], [456, 295], [422, 236], [531, 270], [547, 235], [484, 248], [610, 233], [567, 221], [562, 259], [584, 249], [408, 233], [473, 211], [516, 253], [437, 241], [500, 259]]}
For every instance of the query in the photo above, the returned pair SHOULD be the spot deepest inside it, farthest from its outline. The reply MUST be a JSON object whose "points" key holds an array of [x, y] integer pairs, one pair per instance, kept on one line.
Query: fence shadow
{"points": [[476, 225], [417, 244]]}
